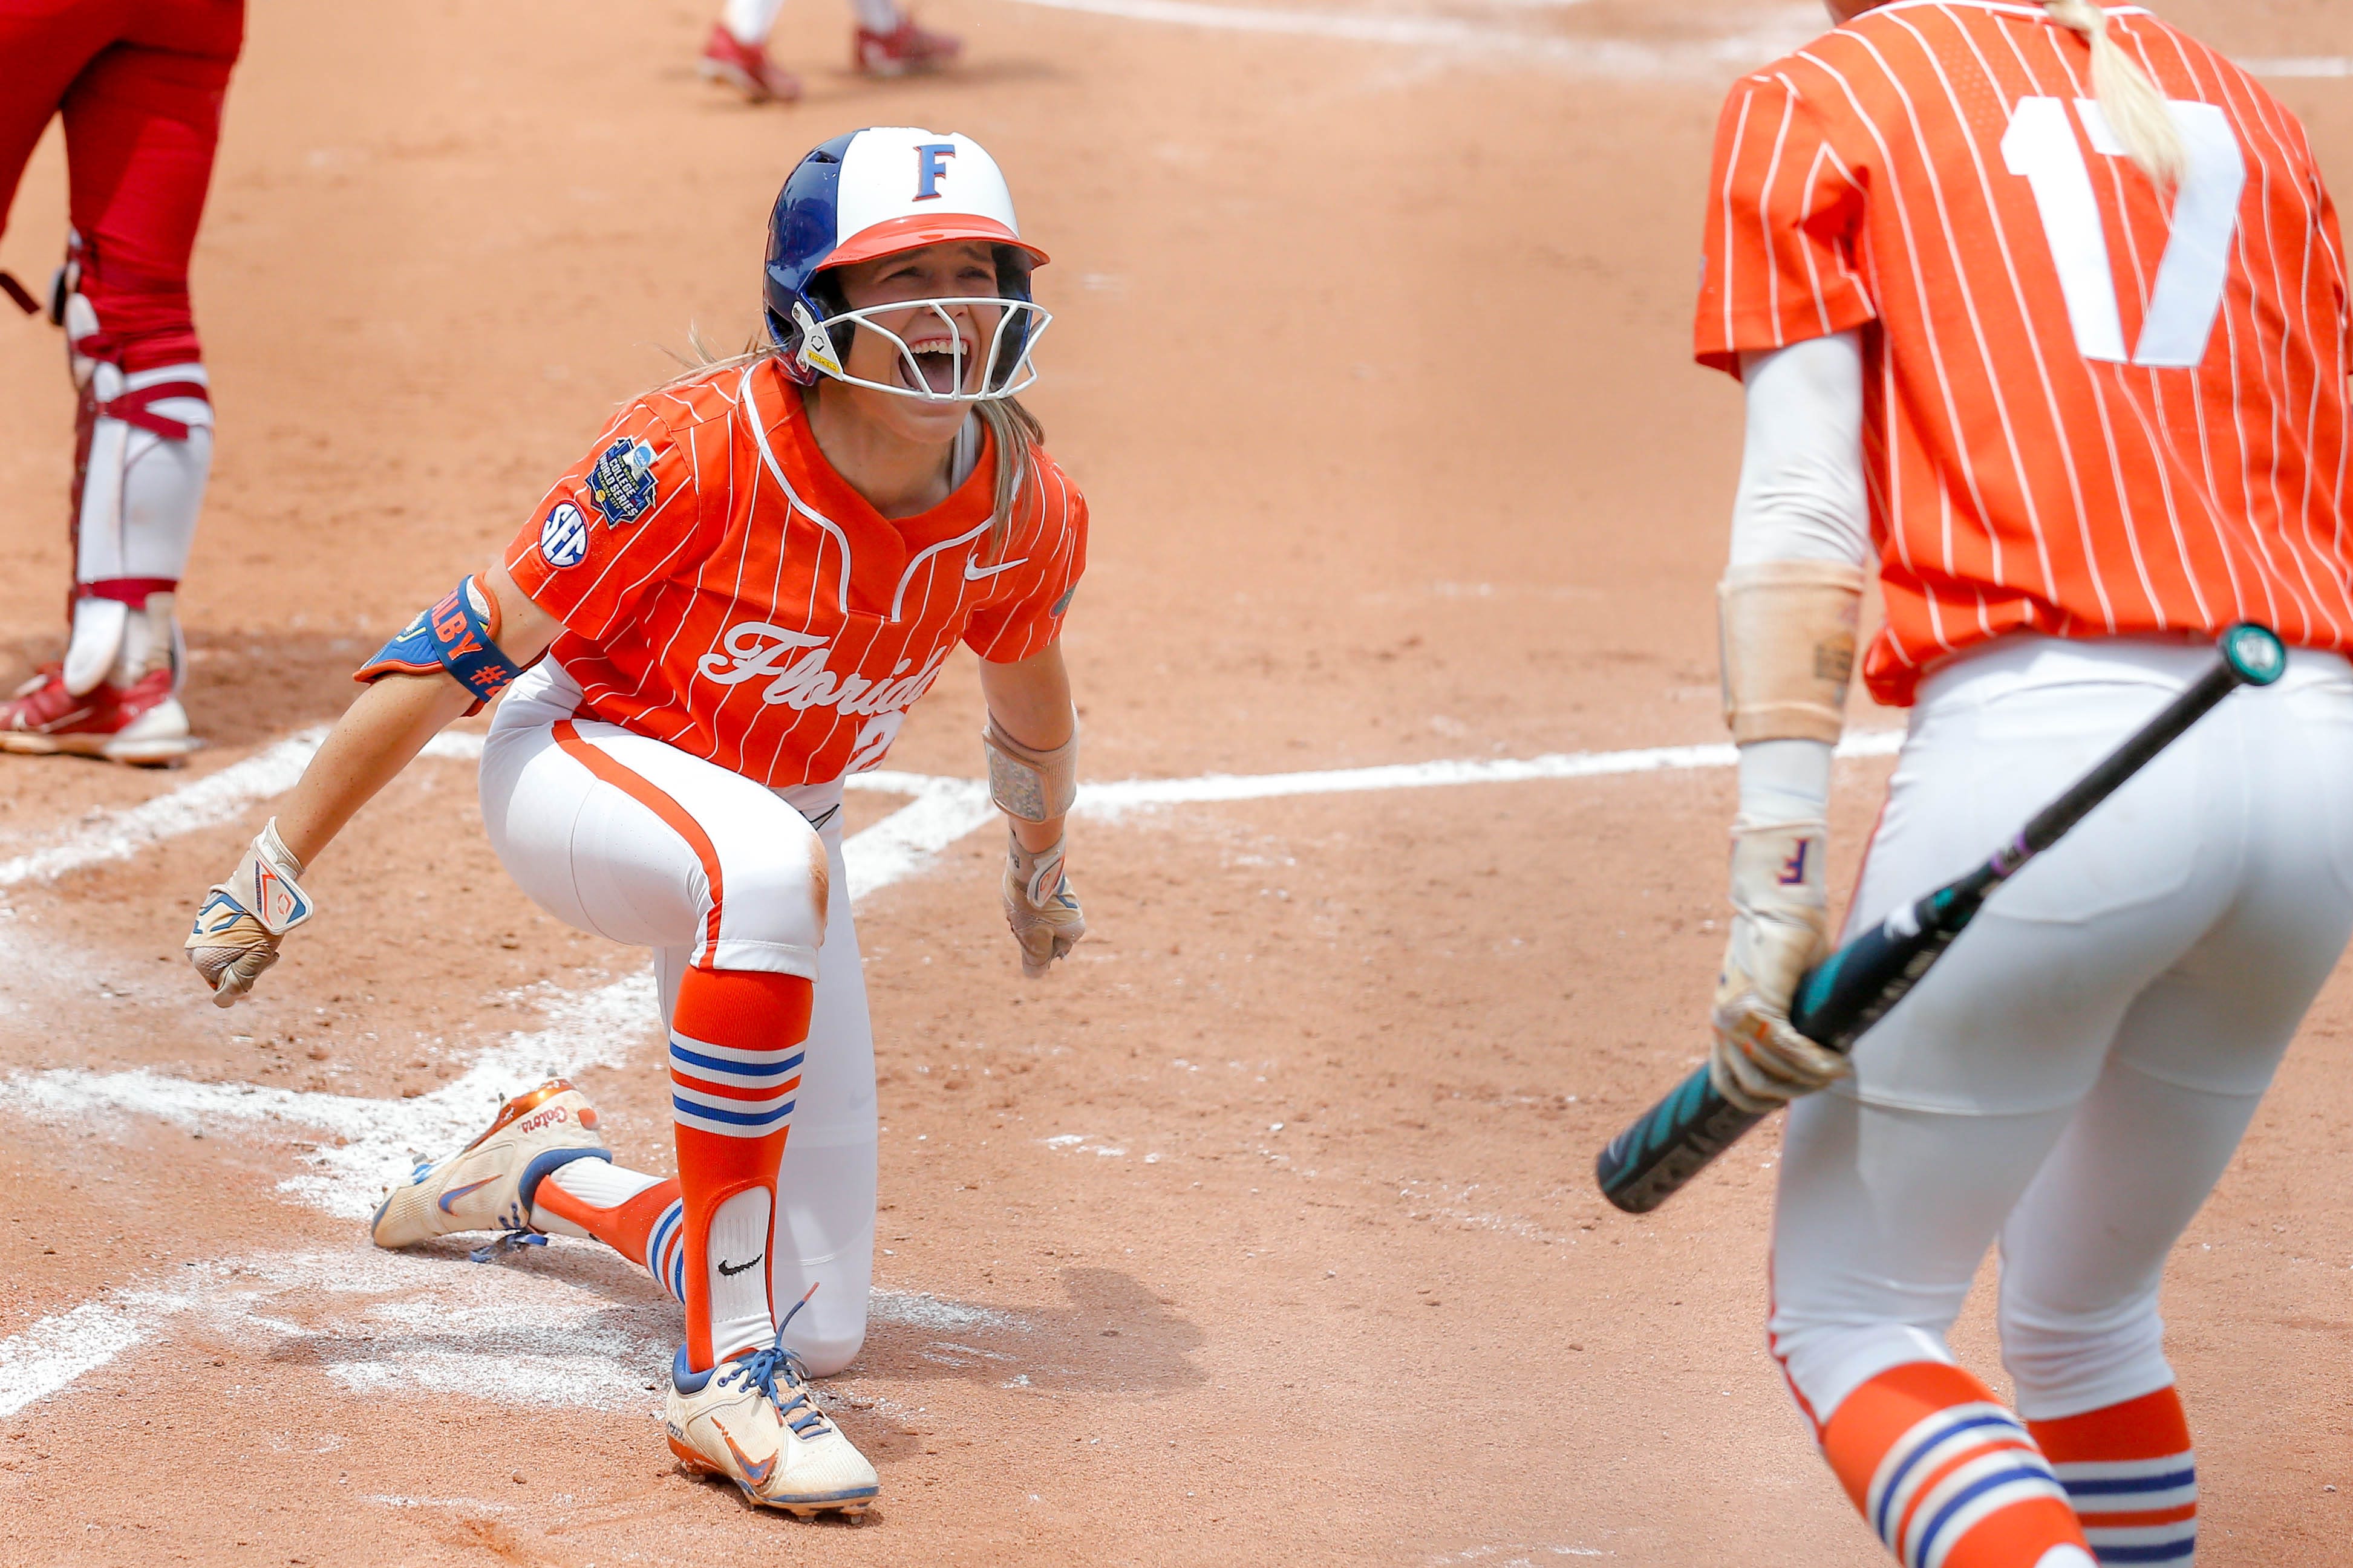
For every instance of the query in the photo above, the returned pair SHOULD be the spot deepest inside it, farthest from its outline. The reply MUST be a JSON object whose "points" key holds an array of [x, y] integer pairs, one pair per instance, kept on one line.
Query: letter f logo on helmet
{"points": [[850, 200], [931, 168]]}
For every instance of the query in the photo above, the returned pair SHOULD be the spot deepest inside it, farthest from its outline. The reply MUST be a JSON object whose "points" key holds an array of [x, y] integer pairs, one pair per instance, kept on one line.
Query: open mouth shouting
{"points": [[938, 362]]}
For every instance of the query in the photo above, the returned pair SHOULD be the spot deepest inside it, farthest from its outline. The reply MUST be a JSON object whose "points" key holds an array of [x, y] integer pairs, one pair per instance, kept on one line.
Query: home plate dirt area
{"points": [[1264, 1230]]}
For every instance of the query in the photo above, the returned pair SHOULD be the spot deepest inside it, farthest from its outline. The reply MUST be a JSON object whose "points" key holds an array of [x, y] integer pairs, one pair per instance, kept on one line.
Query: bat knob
{"points": [[2255, 653]]}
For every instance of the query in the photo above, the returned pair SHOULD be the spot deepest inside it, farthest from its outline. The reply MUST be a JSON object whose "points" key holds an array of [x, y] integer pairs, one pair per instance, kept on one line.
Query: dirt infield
{"points": [[1265, 1231]]}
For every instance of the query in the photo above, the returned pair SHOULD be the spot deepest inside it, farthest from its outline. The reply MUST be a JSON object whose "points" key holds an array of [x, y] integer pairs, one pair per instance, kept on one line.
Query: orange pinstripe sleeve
{"points": [[1025, 616], [1784, 224]]}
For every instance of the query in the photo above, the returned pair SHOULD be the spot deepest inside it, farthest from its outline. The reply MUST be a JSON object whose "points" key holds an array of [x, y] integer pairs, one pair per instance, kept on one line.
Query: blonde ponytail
{"points": [[2135, 108], [1018, 436]]}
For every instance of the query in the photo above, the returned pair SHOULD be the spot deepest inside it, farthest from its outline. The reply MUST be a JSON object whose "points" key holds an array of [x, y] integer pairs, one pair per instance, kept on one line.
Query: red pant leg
{"points": [[141, 122], [45, 43]]}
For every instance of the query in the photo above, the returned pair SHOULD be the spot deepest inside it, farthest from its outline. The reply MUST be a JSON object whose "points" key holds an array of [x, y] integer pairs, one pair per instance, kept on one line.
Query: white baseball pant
{"points": [[2072, 1077], [598, 856]]}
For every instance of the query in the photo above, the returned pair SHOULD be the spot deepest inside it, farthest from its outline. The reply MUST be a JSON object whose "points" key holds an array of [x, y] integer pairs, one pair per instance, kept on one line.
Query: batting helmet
{"points": [[875, 193]]}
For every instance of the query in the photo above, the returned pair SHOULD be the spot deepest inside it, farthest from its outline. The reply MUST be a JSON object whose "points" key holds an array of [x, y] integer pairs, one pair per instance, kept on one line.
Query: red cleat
{"points": [[141, 724], [747, 68], [906, 50]]}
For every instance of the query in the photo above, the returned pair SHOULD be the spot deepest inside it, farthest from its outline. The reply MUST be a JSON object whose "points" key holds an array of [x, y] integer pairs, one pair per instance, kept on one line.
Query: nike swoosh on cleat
{"points": [[756, 1475], [454, 1193], [733, 1269]]}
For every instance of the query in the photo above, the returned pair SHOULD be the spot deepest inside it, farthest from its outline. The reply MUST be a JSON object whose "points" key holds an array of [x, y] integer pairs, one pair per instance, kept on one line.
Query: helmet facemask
{"points": [[938, 361]]}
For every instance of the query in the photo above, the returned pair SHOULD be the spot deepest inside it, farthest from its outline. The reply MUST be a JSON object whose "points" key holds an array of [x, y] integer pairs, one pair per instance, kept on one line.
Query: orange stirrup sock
{"points": [[1948, 1475], [735, 1039], [624, 1209], [2133, 1477]]}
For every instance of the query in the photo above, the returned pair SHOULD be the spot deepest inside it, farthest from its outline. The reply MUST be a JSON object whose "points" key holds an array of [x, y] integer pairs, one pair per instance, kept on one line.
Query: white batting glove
{"points": [[1040, 906], [1780, 928], [240, 922]]}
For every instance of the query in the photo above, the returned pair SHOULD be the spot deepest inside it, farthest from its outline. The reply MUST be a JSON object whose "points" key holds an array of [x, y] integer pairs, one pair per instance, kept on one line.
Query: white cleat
{"points": [[489, 1184], [753, 1421]]}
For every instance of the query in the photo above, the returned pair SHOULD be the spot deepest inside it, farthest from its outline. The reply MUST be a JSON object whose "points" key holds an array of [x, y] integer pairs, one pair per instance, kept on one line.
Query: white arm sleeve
{"points": [[1801, 499], [1802, 496]]}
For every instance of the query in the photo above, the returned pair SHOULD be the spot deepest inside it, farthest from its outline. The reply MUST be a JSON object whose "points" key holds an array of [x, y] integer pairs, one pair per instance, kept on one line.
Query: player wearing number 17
{"points": [[2046, 306]]}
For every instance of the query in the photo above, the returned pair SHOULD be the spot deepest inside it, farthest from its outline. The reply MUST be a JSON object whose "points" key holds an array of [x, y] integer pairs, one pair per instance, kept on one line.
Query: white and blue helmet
{"points": [[875, 193]]}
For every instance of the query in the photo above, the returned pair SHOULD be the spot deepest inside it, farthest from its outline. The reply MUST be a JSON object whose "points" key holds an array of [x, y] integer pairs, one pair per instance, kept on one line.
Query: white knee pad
{"points": [[145, 453], [2066, 1363]]}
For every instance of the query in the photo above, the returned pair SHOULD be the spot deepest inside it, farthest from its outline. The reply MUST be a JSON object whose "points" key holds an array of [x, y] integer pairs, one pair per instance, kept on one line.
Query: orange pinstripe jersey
{"points": [[2091, 408], [723, 590]]}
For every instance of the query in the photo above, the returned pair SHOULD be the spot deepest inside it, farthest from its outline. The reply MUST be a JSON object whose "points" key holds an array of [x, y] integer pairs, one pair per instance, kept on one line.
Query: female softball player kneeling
{"points": [[724, 609], [2048, 306]]}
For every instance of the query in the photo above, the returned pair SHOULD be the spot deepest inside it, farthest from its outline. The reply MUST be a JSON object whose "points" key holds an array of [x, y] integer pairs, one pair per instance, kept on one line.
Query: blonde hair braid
{"points": [[2135, 107]]}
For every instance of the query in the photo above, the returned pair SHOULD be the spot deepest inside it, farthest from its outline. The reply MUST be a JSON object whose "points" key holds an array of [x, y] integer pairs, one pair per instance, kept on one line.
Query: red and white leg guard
{"points": [[143, 450]]}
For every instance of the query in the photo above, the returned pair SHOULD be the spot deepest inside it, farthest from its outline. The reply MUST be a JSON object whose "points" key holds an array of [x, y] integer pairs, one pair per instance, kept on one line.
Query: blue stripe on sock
{"points": [[725, 1064], [1926, 1445], [1968, 1494], [2170, 1551], [757, 1119], [2131, 1484], [663, 1230]]}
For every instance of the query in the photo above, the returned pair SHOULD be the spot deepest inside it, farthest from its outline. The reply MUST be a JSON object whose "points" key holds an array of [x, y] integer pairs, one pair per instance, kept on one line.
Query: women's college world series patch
{"points": [[621, 486]]}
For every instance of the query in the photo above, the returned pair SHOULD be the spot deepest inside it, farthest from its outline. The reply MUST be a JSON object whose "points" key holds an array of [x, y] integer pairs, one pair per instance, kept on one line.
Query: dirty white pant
{"points": [[602, 860], [2074, 1076]]}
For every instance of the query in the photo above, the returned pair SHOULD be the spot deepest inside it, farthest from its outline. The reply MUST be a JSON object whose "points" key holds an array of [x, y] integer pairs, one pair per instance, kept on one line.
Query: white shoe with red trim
{"points": [[906, 50], [746, 68], [141, 724]]}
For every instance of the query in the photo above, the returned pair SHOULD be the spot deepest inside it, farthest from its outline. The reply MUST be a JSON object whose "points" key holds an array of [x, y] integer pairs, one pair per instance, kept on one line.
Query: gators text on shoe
{"points": [[489, 1184]]}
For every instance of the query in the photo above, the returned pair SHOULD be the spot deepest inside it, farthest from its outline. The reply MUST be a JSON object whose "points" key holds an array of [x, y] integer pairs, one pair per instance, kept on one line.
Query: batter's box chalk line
{"points": [[1709, 59], [379, 1139], [377, 1322]]}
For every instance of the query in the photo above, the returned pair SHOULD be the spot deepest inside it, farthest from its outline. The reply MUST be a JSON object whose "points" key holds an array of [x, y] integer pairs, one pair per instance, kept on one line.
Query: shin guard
{"points": [[142, 453]]}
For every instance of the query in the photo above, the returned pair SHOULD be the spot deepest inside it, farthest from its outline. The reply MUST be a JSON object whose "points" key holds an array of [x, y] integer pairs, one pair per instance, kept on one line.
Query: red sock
{"points": [[2132, 1475], [735, 1054], [1948, 1475]]}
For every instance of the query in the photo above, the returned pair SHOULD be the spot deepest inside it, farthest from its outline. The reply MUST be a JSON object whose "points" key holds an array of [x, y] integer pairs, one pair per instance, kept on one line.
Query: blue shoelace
{"points": [[761, 1369]]}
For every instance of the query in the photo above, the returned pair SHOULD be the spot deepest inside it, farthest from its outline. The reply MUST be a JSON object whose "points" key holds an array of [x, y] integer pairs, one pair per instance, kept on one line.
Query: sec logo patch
{"points": [[564, 537]]}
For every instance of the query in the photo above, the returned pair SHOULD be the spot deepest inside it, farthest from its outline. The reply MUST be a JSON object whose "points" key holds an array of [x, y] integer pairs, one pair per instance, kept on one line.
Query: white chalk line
{"points": [[377, 1322], [916, 830], [1594, 57], [380, 1139]]}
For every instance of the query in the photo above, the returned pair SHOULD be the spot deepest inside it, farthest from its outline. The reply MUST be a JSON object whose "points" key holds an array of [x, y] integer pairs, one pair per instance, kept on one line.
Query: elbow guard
{"points": [[1787, 630], [1036, 786], [455, 636]]}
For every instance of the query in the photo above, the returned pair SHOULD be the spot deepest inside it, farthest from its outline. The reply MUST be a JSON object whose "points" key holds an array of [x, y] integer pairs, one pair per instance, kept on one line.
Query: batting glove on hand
{"points": [[1040, 906], [1780, 928], [240, 922]]}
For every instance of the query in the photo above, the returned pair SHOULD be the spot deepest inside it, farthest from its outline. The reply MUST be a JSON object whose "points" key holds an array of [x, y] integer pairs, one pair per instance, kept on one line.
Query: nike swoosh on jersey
{"points": [[974, 571]]}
